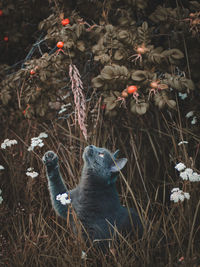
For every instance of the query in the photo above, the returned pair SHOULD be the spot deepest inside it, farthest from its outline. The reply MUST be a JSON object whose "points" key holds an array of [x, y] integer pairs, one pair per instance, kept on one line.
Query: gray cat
{"points": [[95, 200]]}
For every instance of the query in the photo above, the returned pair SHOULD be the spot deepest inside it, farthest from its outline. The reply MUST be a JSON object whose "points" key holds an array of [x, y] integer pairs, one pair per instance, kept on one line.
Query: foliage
{"points": [[128, 51]]}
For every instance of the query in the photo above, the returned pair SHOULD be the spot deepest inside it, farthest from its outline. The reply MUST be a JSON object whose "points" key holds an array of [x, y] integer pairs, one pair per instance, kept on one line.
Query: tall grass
{"points": [[31, 233]]}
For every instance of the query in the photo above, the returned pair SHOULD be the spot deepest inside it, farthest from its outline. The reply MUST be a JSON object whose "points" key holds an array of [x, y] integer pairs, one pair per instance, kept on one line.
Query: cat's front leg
{"points": [[55, 182]]}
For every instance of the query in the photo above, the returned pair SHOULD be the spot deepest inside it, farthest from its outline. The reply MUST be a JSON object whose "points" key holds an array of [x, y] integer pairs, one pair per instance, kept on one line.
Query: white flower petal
{"points": [[41, 144], [182, 96], [3, 146], [58, 197], [194, 120], [181, 197], [32, 174], [182, 142], [176, 189], [2, 167], [187, 195], [83, 255], [180, 166], [43, 135], [184, 175], [189, 114], [63, 198], [30, 148], [62, 110]]}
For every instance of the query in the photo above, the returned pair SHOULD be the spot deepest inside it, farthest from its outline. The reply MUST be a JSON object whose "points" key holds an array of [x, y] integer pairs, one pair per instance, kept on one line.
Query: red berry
{"points": [[32, 72], [132, 89], [6, 38], [60, 44], [103, 107], [65, 22], [1, 12], [154, 84]]}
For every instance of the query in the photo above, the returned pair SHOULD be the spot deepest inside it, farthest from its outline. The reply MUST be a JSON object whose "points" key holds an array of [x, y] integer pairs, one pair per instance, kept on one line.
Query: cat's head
{"points": [[102, 164]]}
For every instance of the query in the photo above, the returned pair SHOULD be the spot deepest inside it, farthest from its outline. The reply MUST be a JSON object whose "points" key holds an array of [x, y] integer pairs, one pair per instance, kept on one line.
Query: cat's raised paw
{"points": [[50, 158]]}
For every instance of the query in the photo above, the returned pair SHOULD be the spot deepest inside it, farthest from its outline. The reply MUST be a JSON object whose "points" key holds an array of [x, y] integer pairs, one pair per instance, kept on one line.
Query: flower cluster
{"points": [[30, 172], [187, 173], [1, 199], [63, 198], [2, 167], [37, 141], [8, 143], [178, 195]]}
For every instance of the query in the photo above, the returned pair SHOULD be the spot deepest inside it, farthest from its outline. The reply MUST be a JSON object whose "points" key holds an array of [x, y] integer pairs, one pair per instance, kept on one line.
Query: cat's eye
{"points": [[101, 155]]}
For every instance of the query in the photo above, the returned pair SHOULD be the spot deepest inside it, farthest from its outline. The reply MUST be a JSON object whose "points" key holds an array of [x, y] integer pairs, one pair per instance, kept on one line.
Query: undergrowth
{"points": [[31, 233]]}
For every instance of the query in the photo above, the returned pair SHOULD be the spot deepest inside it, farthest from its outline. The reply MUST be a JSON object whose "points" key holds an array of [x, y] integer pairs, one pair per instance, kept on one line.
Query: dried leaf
{"points": [[97, 82], [171, 103], [139, 75], [187, 83], [118, 55], [141, 108], [107, 73], [173, 53], [5, 97], [145, 26], [80, 45]]}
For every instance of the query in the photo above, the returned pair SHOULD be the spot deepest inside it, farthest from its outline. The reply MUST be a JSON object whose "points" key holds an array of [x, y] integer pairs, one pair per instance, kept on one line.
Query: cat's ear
{"points": [[118, 165], [116, 153]]}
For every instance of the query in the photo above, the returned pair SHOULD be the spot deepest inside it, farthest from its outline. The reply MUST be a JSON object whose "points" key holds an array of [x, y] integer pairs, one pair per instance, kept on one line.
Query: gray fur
{"points": [[95, 199]]}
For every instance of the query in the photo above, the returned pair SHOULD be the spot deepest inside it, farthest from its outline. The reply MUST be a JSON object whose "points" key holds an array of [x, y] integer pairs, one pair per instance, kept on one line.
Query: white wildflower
{"points": [[180, 166], [83, 255], [35, 141], [182, 96], [178, 195], [63, 198], [189, 174], [30, 172], [194, 120], [182, 142], [186, 195], [189, 114], [195, 177], [2, 167], [43, 135], [184, 175], [8, 143]]}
